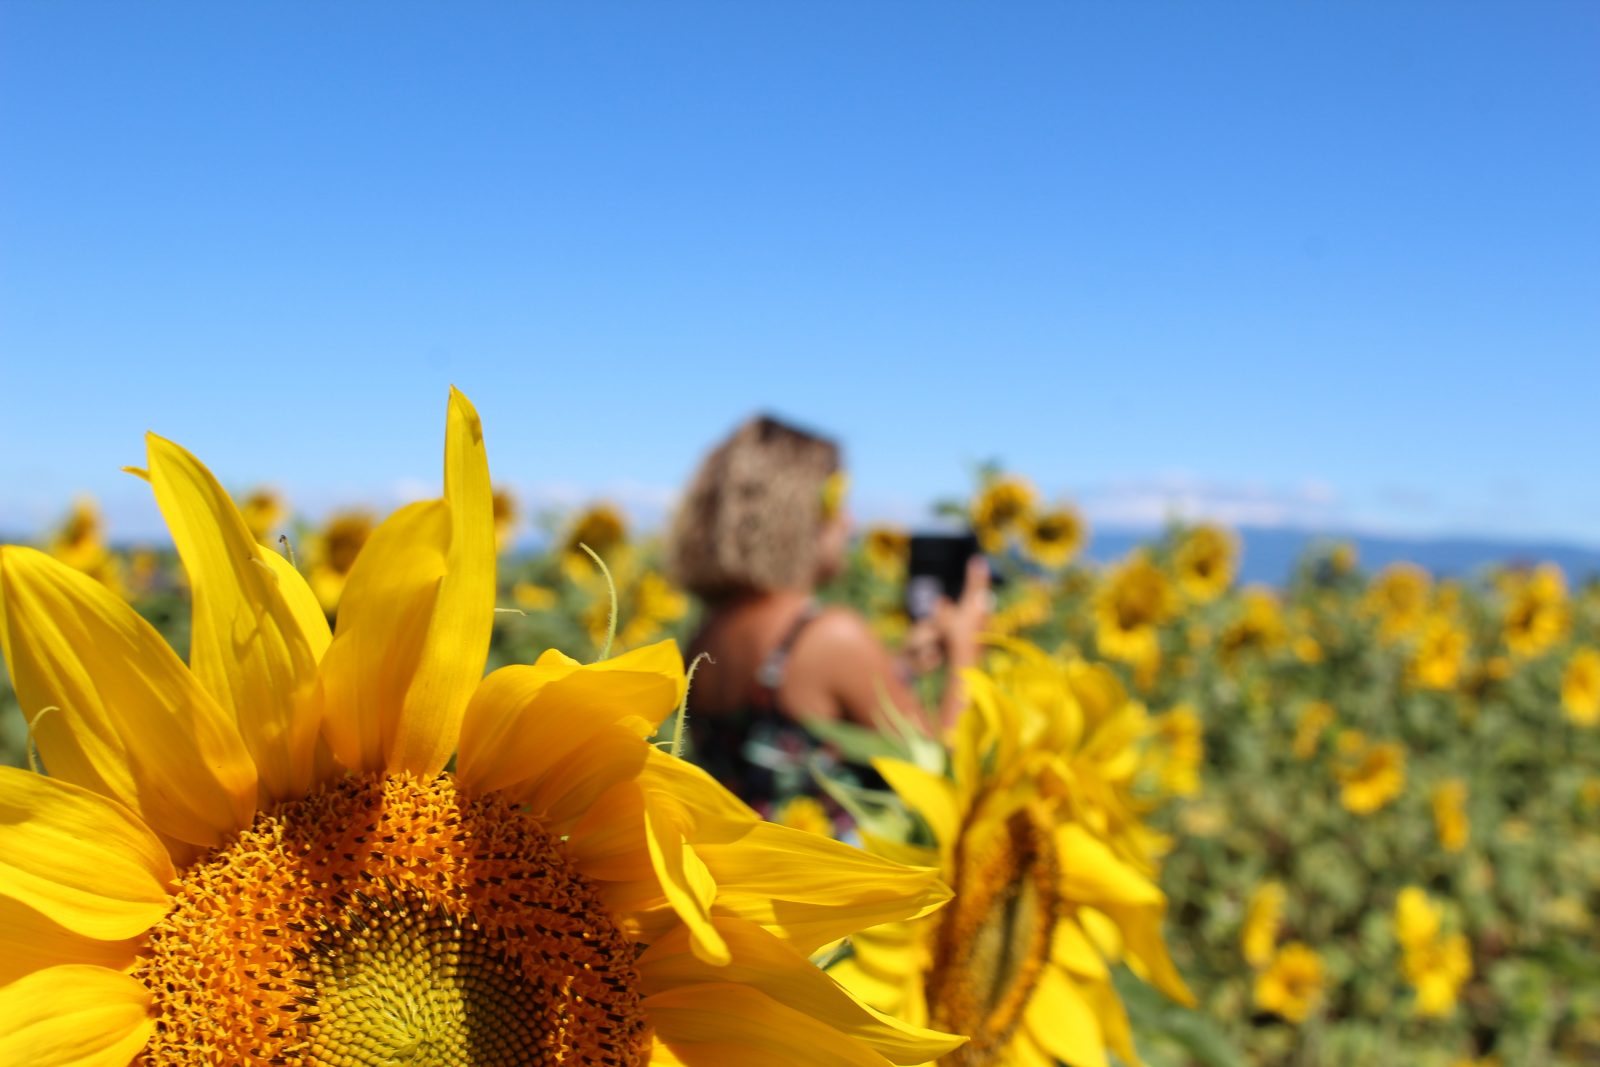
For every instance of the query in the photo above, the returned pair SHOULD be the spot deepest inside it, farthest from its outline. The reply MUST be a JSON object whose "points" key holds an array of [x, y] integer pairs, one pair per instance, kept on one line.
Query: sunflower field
{"points": [[1351, 820]]}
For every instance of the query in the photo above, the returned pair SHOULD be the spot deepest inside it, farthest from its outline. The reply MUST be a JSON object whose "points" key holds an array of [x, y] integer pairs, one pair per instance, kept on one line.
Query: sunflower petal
{"points": [[75, 1015], [128, 720], [760, 961], [727, 1025], [249, 647], [85, 861], [812, 890], [414, 619], [687, 883], [807, 888], [31, 941], [1063, 1023], [929, 795], [458, 633], [524, 721], [383, 625]]}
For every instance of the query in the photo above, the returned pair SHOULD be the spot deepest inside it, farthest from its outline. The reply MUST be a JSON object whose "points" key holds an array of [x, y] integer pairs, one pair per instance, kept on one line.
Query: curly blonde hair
{"points": [[750, 518]]}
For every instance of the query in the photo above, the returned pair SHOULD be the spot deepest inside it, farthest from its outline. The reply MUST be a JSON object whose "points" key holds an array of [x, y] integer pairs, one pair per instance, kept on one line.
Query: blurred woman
{"points": [[762, 525]]}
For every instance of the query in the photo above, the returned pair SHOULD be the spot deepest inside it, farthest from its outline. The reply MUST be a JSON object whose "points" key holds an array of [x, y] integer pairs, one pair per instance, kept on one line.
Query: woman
{"points": [[762, 525]]}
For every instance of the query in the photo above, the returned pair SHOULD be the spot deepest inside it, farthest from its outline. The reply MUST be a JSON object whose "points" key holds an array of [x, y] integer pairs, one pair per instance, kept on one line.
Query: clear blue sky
{"points": [[1310, 263]]}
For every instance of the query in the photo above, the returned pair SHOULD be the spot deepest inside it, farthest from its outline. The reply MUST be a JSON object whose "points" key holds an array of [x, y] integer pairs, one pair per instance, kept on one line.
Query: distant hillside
{"points": [[1271, 553]]}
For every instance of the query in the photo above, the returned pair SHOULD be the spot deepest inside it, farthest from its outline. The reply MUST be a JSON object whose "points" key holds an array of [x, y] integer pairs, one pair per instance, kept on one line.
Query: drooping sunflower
{"points": [[1035, 830], [999, 510], [1053, 537], [260, 857], [1206, 560]]}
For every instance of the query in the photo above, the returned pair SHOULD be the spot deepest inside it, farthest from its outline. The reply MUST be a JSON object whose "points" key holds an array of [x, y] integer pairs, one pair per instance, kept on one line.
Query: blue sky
{"points": [[1332, 265]]}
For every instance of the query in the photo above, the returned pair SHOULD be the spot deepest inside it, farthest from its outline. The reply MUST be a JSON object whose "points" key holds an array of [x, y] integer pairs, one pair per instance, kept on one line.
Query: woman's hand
{"points": [[958, 623]]}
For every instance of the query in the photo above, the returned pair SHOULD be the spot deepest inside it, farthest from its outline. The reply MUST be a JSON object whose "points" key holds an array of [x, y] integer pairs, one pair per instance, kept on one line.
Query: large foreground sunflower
{"points": [[260, 857], [1035, 831]]}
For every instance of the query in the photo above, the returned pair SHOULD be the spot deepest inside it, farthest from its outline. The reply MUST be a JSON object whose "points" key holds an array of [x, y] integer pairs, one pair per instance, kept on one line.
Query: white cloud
{"points": [[1151, 502]]}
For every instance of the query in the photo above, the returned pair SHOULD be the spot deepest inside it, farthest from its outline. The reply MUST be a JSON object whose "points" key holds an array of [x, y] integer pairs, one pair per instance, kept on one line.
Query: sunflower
{"points": [[1370, 774], [1580, 687], [1257, 626], [263, 510], [1292, 984], [1435, 964], [1399, 599], [600, 526], [334, 552], [1262, 919], [886, 550], [1032, 829], [1179, 750], [1536, 612], [1314, 718], [1130, 607], [260, 858], [1440, 653], [1052, 538], [1206, 560], [80, 543], [999, 510], [1449, 803], [507, 514]]}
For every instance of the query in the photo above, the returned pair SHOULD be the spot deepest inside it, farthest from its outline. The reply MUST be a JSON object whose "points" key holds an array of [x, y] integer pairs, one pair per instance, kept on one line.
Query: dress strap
{"points": [[769, 676]]}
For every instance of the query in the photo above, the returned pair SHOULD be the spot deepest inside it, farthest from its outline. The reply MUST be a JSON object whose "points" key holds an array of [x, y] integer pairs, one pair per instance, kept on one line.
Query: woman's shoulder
{"points": [[835, 631]]}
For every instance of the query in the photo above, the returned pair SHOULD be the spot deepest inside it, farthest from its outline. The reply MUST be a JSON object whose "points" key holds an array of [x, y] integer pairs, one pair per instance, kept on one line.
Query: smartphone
{"points": [[938, 568]]}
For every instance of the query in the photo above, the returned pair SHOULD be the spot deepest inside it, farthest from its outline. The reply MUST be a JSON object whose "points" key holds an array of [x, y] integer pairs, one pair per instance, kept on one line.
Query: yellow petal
{"points": [[804, 887], [458, 634], [762, 962], [1070, 948], [688, 885], [1092, 874], [414, 620], [929, 795], [1063, 1023], [608, 843], [811, 890], [85, 861], [248, 646], [76, 1015], [525, 720], [383, 625], [726, 1025], [130, 721], [31, 941]]}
